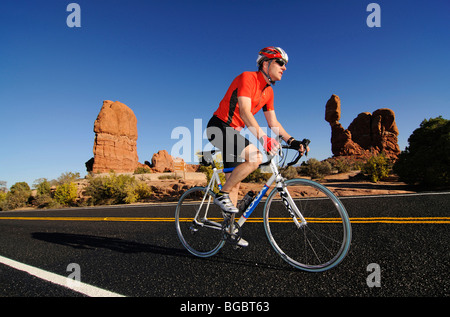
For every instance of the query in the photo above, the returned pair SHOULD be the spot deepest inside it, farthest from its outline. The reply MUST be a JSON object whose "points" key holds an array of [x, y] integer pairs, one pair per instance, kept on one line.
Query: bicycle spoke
{"points": [[319, 244], [198, 222]]}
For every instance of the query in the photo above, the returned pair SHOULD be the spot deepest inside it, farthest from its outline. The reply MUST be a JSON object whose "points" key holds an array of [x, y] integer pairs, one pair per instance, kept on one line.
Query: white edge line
{"points": [[76, 286], [394, 195]]}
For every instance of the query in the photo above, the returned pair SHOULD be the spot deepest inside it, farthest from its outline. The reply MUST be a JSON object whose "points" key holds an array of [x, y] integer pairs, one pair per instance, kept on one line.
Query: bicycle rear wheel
{"points": [[199, 222], [323, 241]]}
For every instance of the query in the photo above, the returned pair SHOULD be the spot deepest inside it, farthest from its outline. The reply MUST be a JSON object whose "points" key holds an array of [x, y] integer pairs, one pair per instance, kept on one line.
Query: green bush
{"points": [[116, 189], [426, 160], [137, 191], [208, 170], [66, 194], [142, 170], [256, 176], [68, 177], [289, 172], [44, 201], [377, 167], [20, 187], [17, 197], [2, 199], [42, 186], [315, 168], [344, 164]]}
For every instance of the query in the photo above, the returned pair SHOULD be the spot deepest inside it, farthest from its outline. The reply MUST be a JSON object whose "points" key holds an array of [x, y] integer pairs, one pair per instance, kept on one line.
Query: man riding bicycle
{"points": [[247, 94]]}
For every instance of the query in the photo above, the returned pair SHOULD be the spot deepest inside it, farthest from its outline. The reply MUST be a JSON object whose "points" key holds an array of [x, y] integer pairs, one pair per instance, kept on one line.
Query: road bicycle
{"points": [[306, 224]]}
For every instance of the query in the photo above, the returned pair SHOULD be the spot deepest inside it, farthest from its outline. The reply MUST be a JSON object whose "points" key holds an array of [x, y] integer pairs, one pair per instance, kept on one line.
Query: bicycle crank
{"points": [[232, 232]]}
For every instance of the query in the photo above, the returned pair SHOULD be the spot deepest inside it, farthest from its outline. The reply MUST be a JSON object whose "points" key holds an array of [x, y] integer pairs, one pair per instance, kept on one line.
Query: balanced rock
{"points": [[115, 139], [369, 133]]}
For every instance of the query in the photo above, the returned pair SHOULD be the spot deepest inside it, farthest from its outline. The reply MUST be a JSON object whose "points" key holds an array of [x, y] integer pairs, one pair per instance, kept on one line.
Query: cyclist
{"points": [[248, 93]]}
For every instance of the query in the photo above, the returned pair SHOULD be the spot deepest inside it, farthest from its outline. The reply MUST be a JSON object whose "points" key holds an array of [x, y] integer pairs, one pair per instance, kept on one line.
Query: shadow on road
{"points": [[90, 242], [82, 241]]}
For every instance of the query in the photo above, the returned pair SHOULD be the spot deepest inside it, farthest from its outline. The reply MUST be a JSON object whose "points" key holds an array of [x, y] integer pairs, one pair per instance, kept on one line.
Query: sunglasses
{"points": [[280, 62]]}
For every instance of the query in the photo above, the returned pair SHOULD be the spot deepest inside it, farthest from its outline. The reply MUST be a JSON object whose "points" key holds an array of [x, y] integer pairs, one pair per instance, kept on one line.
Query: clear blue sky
{"points": [[172, 61]]}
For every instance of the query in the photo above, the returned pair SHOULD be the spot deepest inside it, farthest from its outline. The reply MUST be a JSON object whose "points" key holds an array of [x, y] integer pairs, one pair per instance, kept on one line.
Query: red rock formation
{"points": [[367, 134], [162, 162], [115, 139], [385, 132]]}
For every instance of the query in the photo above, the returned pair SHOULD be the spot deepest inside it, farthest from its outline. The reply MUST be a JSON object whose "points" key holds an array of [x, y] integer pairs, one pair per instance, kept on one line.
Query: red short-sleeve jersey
{"points": [[247, 84]]}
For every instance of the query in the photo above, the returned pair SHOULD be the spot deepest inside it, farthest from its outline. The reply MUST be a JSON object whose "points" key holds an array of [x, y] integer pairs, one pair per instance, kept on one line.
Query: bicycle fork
{"points": [[291, 207]]}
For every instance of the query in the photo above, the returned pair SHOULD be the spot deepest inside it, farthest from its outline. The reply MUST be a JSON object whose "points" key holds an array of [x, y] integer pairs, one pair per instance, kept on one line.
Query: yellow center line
{"points": [[89, 219], [403, 220]]}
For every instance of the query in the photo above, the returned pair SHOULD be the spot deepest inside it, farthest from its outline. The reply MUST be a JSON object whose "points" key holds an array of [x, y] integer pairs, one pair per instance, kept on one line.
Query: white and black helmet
{"points": [[270, 54]]}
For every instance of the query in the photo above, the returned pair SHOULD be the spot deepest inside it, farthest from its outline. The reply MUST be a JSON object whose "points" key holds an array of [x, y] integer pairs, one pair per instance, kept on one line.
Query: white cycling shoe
{"points": [[224, 202], [242, 243]]}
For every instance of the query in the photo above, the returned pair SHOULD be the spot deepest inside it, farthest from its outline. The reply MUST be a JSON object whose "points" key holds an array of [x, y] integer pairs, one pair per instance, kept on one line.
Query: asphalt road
{"points": [[408, 254]]}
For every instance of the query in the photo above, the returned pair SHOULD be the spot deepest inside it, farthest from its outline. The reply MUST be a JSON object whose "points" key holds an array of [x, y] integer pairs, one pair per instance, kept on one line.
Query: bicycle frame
{"points": [[277, 178]]}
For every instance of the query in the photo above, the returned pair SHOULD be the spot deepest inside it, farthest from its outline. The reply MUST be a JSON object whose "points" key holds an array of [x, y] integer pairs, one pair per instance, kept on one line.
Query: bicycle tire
{"points": [[203, 237], [319, 245]]}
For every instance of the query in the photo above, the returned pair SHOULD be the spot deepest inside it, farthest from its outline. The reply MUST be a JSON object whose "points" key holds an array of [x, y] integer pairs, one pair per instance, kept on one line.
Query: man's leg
{"points": [[234, 191], [253, 158]]}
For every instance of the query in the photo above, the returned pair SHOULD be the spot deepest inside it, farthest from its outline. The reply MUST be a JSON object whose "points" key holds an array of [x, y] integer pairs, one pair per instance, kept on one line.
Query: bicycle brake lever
{"points": [[305, 143]]}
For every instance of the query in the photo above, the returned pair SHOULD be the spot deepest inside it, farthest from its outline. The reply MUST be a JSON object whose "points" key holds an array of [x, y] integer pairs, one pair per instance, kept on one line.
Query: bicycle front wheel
{"points": [[199, 222], [320, 243]]}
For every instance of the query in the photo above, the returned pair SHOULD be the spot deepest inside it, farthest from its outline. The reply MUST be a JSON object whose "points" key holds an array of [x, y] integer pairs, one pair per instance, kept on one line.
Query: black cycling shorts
{"points": [[228, 140]]}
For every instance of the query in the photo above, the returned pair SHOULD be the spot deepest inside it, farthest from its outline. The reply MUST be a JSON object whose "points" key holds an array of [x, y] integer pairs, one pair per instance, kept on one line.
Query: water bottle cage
{"points": [[246, 201]]}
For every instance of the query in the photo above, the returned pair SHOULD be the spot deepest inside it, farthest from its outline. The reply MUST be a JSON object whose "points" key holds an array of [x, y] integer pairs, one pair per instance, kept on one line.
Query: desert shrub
{"points": [[142, 170], [344, 164], [18, 196], [20, 187], [107, 190], [136, 191], [377, 167], [208, 170], [2, 199], [44, 201], [289, 172], [66, 194], [315, 168], [257, 176], [426, 160], [42, 186], [43, 197], [68, 177], [170, 176], [115, 189]]}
